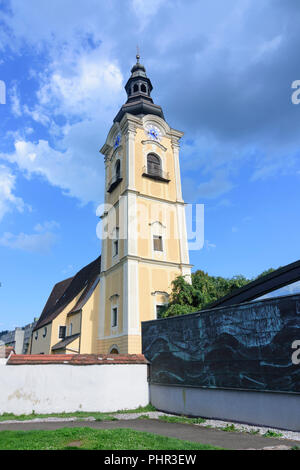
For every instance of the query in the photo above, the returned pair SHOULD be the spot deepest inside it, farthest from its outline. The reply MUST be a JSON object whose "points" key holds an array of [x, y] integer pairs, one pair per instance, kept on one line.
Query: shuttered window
{"points": [[153, 165]]}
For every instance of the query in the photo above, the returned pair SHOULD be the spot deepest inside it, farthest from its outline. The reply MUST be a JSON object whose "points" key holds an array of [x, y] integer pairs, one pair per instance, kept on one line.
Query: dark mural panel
{"points": [[247, 346]]}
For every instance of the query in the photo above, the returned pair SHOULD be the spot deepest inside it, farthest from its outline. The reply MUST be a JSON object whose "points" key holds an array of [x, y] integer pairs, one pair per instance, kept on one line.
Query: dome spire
{"points": [[138, 89]]}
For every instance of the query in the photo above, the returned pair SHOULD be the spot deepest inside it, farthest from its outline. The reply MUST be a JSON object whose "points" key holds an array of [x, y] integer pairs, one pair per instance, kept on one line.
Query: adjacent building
{"points": [[69, 320], [18, 339]]}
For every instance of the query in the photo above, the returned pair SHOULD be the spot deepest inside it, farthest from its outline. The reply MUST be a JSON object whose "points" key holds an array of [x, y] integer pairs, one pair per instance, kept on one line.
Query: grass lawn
{"points": [[93, 439], [182, 419], [77, 414]]}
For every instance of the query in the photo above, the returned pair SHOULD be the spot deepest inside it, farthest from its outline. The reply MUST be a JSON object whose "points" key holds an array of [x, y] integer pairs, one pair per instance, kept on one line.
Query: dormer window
{"points": [[62, 332]]}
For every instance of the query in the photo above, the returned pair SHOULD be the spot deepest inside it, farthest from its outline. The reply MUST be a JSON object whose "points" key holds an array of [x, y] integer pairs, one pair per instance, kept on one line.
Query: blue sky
{"points": [[222, 72]]}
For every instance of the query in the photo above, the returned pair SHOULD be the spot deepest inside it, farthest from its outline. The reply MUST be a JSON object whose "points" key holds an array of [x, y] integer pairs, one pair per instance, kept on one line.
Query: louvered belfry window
{"points": [[153, 165]]}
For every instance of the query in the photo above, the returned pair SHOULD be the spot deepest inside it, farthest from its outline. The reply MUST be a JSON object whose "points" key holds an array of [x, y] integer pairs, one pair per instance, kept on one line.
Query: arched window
{"points": [[114, 349], [118, 169], [143, 88], [135, 88], [153, 165]]}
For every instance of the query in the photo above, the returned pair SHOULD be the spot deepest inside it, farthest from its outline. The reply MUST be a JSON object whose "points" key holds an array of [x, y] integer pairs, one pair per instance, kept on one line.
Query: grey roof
{"points": [[62, 344], [64, 292]]}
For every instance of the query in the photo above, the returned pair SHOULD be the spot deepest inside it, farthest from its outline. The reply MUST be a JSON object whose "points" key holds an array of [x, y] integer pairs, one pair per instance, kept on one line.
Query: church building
{"points": [[144, 238]]}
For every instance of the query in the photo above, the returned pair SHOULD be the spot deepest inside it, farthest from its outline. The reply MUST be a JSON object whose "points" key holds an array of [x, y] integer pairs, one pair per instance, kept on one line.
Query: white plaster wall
{"points": [[58, 388]]}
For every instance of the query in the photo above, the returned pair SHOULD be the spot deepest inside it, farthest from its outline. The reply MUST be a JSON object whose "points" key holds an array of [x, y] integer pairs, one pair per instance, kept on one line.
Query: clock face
{"points": [[117, 141], [153, 132]]}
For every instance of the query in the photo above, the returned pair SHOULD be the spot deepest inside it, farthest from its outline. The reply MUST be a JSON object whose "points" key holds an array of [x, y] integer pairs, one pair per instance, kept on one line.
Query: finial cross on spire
{"points": [[138, 54]]}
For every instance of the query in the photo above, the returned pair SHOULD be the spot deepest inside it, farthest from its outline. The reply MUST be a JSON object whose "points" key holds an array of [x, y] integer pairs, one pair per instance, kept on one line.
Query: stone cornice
{"points": [[147, 261]]}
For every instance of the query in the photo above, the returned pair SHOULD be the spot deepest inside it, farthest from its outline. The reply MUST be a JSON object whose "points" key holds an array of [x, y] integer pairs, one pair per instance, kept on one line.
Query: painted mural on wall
{"points": [[248, 347]]}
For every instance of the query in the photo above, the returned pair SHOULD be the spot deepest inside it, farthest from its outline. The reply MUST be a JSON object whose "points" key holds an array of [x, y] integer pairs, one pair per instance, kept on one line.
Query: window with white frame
{"points": [[157, 243], [114, 317], [116, 243]]}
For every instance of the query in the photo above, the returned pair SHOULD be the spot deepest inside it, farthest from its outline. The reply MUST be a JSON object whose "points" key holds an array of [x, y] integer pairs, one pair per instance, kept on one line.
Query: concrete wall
{"points": [[276, 410], [58, 388]]}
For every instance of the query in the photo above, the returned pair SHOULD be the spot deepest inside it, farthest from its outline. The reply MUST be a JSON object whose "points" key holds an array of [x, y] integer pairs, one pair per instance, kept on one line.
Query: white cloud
{"points": [[48, 225], [81, 84], [208, 245], [8, 200], [15, 101], [217, 185], [85, 89], [40, 242], [35, 243], [146, 9], [268, 47], [78, 172]]}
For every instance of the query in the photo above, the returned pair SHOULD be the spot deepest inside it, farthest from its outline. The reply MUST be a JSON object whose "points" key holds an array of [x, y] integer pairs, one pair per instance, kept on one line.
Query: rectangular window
{"points": [[116, 243], [114, 321], [62, 332], [157, 243]]}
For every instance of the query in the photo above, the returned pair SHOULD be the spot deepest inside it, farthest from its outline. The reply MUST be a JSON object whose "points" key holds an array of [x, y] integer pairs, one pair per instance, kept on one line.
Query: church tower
{"points": [[144, 246]]}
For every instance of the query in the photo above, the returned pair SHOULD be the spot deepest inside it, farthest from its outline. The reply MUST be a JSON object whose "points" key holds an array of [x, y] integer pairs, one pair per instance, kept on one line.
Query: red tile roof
{"points": [[76, 359]]}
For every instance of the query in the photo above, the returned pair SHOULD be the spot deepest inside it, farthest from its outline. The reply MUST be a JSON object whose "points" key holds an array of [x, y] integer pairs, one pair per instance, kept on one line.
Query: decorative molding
{"points": [[157, 222], [113, 296], [129, 124], [151, 142], [159, 292]]}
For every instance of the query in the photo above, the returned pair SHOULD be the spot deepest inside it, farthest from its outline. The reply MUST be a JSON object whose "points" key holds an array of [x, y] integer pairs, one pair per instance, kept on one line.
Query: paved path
{"points": [[188, 432]]}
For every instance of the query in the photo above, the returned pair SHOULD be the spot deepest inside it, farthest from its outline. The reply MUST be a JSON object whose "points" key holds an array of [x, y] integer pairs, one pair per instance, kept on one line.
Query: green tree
{"points": [[187, 298]]}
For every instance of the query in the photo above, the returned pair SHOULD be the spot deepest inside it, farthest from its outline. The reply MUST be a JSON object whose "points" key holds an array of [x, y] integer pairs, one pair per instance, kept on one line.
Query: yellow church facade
{"points": [[144, 237]]}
